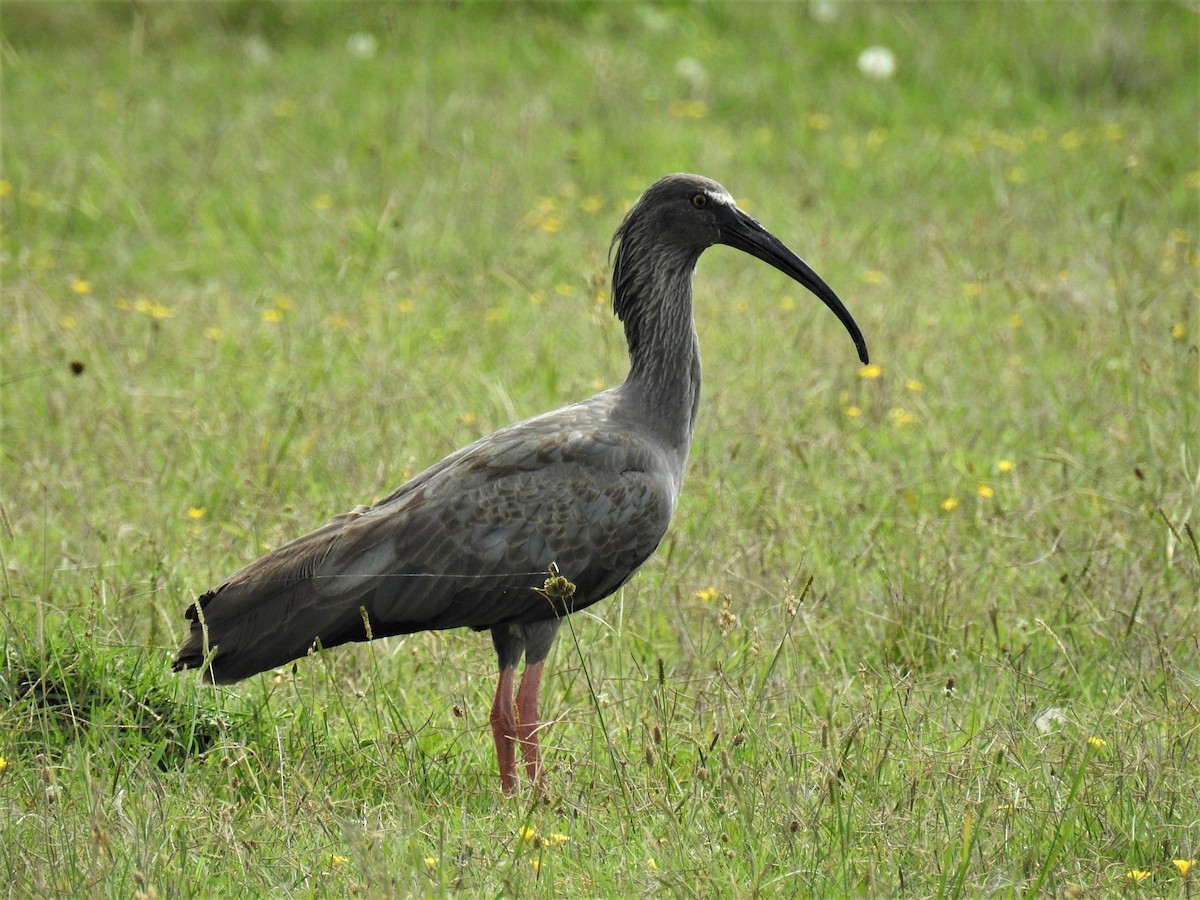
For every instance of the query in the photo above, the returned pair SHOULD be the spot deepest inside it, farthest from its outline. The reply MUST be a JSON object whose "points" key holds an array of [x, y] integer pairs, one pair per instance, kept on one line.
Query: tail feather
{"points": [[270, 613], [266, 632]]}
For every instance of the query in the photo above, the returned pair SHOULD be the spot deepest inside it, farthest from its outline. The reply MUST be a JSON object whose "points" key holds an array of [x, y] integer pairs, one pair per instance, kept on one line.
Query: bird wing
{"points": [[465, 543]]}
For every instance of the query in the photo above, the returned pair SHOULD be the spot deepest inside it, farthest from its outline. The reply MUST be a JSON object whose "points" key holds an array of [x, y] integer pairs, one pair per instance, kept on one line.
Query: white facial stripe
{"points": [[720, 197]]}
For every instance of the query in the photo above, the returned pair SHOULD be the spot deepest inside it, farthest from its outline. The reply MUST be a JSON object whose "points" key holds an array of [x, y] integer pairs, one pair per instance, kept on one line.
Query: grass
{"points": [[922, 630]]}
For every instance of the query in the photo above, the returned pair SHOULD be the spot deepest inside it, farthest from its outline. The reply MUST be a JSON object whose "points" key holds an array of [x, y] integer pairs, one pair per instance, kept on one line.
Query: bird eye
{"points": [[699, 201]]}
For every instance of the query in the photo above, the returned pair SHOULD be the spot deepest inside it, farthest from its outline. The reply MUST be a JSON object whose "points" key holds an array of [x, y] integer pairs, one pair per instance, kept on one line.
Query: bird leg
{"points": [[527, 724], [519, 725], [504, 729]]}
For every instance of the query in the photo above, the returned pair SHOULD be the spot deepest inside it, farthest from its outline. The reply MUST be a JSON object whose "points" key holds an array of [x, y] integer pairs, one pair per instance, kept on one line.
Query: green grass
{"points": [[290, 277]]}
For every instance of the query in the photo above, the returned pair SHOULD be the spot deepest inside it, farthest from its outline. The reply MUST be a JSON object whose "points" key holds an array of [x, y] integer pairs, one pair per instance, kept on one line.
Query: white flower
{"points": [[877, 63], [1049, 719], [257, 50], [692, 71], [824, 11], [362, 45]]}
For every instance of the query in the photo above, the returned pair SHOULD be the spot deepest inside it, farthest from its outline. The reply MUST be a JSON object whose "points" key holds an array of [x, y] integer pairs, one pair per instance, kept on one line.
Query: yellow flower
{"points": [[1004, 466], [973, 289], [874, 276], [323, 202], [950, 504], [405, 305], [68, 322], [272, 315], [1010, 142], [152, 308], [527, 832], [651, 864], [555, 839], [1015, 321], [708, 595], [197, 512], [537, 864], [5, 188], [900, 417], [1113, 131], [591, 204], [819, 121], [1192, 179], [852, 412], [1183, 865], [1178, 331], [81, 286], [913, 385], [985, 492], [1071, 140], [284, 108], [430, 862], [687, 109], [1097, 743], [213, 333], [123, 304], [336, 860], [4, 765], [870, 370], [1138, 875]]}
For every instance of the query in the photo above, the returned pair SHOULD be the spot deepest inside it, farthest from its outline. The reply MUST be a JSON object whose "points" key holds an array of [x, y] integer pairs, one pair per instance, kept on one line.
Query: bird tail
{"points": [[197, 645], [199, 648], [273, 611], [228, 648]]}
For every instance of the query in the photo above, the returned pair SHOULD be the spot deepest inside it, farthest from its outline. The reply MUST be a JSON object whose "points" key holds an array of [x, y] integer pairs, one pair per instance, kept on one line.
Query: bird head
{"points": [[690, 213]]}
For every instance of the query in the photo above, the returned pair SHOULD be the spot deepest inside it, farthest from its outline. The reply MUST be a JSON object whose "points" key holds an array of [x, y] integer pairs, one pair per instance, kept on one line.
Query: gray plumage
{"points": [[589, 488]]}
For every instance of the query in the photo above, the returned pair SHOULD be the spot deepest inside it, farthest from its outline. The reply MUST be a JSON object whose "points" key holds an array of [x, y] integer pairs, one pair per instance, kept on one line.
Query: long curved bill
{"points": [[747, 235]]}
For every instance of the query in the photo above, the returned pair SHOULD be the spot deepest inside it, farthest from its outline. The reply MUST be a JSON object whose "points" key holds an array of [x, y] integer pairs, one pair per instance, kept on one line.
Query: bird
{"points": [[584, 493]]}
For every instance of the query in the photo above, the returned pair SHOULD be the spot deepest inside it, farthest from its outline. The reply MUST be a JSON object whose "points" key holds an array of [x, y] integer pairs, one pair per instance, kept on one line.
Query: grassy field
{"points": [[926, 628]]}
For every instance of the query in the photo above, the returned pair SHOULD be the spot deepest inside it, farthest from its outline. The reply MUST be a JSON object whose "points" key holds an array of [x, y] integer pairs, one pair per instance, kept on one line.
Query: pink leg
{"points": [[504, 730], [527, 725]]}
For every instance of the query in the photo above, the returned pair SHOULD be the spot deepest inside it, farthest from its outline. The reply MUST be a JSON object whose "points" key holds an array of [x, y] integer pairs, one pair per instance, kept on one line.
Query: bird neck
{"points": [[652, 295]]}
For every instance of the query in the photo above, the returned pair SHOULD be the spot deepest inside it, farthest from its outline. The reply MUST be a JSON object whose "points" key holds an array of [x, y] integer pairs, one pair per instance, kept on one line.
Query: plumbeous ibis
{"points": [[586, 490]]}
